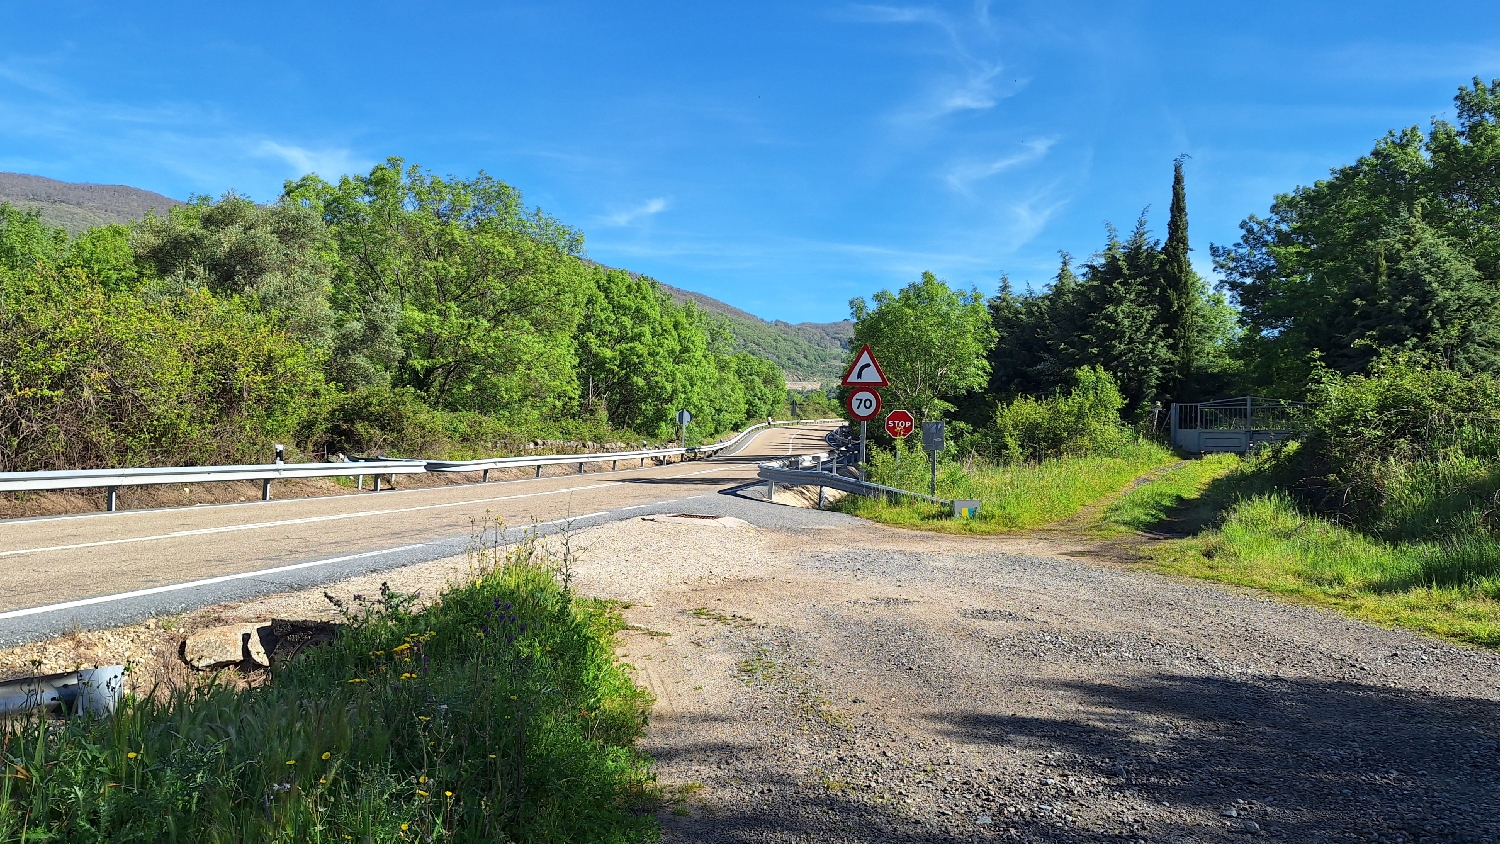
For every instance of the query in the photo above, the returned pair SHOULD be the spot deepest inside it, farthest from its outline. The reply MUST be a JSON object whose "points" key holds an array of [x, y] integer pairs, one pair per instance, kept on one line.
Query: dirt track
{"points": [[870, 684]]}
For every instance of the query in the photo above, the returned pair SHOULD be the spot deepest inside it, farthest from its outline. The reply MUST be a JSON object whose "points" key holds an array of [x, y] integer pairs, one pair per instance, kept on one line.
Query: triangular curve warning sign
{"points": [[865, 371]]}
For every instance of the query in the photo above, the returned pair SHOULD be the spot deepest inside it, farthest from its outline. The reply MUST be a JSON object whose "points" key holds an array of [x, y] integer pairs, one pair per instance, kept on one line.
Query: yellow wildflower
{"points": [[327, 754], [423, 793], [130, 755]]}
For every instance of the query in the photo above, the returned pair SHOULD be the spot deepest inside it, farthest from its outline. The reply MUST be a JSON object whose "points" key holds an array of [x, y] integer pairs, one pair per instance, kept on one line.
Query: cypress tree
{"points": [[1178, 291]]}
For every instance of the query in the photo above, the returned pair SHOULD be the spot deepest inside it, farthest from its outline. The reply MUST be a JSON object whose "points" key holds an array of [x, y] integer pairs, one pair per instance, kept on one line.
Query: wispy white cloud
{"points": [[964, 175], [328, 163], [979, 85], [648, 208]]}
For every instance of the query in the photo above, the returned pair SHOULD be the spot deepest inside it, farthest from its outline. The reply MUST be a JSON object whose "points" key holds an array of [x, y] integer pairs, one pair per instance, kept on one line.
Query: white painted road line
{"points": [[303, 521], [249, 575], [157, 590]]}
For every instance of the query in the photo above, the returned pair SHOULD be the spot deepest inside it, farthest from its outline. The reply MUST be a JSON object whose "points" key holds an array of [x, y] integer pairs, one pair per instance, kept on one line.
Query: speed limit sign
{"points": [[863, 404]]}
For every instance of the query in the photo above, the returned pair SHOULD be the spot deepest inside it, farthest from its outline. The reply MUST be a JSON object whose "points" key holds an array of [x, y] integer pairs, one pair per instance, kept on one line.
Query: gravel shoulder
{"points": [[842, 682], [819, 678]]}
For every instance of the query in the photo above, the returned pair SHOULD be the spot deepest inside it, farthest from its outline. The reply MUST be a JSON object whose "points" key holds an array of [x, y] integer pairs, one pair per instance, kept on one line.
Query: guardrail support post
{"points": [[613, 465], [821, 491], [111, 499], [580, 468], [485, 477], [771, 491], [265, 489], [359, 482], [377, 483], [538, 471]]}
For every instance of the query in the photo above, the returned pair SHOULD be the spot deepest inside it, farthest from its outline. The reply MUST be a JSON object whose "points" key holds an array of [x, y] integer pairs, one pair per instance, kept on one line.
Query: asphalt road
{"points": [[105, 569]]}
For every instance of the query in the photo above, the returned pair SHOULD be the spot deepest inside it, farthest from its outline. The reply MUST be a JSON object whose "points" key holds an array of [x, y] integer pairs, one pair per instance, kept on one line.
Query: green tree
{"points": [[1399, 250], [274, 256], [931, 341], [1110, 319], [454, 287], [1179, 292]]}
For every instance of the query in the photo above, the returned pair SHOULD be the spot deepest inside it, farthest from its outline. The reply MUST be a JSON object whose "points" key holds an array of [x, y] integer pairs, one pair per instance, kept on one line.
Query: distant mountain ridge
{"points": [[76, 206], [805, 351]]}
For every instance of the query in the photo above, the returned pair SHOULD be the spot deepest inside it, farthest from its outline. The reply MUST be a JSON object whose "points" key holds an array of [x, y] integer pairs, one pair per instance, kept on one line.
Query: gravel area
{"points": [[828, 682]]}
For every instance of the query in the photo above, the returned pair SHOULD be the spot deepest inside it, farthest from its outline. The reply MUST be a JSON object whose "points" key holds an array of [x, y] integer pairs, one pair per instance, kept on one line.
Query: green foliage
{"points": [[1138, 310], [93, 378], [1409, 450], [800, 351], [273, 256], [497, 714], [396, 312], [763, 383], [1084, 420], [642, 358], [810, 404], [480, 295], [1400, 250], [931, 342], [1445, 587], [1013, 497]]}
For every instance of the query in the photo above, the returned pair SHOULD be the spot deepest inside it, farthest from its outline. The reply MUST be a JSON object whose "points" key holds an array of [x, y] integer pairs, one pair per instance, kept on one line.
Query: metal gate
{"points": [[1233, 424]]}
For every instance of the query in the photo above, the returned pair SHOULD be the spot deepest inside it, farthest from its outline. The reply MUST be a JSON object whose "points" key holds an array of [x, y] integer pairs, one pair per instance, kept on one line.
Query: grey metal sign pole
{"points": [[932, 443], [863, 433]]}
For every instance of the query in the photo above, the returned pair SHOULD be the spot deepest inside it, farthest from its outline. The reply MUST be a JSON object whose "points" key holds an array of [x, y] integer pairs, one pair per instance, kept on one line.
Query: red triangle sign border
{"points": [[864, 355]]}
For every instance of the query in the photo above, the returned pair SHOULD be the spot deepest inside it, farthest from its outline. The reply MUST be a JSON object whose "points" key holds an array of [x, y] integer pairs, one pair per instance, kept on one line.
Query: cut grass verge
{"points": [[1013, 497], [498, 713]]}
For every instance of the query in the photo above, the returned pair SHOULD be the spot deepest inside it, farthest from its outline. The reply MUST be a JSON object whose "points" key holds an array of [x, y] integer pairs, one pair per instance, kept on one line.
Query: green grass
{"points": [[1013, 497], [499, 713], [1447, 588], [1161, 499]]}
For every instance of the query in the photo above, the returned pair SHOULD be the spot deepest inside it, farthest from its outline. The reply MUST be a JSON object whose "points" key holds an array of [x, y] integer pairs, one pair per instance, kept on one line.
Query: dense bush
{"points": [[92, 378], [1411, 449], [1084, 420]]}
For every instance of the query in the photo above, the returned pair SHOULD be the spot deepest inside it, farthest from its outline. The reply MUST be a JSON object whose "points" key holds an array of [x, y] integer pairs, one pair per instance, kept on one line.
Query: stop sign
{"points": [[899, 424]]}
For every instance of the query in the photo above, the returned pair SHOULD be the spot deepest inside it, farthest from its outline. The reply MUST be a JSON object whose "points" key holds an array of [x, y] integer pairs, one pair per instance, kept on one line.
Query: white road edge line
{"points": [[210, 581], [303, 521], [157, 590], [330, 518]]}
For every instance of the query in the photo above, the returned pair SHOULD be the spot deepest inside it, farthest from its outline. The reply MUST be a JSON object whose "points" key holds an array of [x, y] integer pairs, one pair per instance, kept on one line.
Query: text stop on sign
{"points": [[899, 424]]}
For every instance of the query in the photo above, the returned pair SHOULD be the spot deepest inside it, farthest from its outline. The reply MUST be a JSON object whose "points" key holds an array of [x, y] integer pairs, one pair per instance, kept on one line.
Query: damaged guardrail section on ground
{"points": [[110, 480]]}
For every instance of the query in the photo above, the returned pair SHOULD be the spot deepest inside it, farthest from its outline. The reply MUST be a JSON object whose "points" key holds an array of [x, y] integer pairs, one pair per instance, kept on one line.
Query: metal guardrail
{"points": [[782, 471], [112, 479]]}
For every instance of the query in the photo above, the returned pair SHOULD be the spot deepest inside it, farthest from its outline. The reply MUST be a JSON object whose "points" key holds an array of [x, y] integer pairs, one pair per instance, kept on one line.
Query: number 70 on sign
{"points": [[863, 404]]}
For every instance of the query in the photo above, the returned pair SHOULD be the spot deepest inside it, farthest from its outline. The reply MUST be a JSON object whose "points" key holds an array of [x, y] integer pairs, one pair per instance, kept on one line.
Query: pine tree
{"points": [[1112, 320]]}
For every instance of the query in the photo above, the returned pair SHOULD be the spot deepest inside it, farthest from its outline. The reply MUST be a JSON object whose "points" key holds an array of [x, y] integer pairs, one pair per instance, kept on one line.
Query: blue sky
{"points": [[782, 157]]}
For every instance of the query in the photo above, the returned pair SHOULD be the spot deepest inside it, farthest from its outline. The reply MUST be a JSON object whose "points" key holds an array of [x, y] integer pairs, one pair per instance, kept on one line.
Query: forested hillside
{"points": [[394, 311], [805, 351], [75, 207]]}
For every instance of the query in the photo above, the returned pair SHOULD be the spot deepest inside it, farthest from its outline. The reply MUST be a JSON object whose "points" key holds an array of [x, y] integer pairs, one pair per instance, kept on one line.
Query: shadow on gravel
{"points": [[1322, 761], [787, 812]]}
